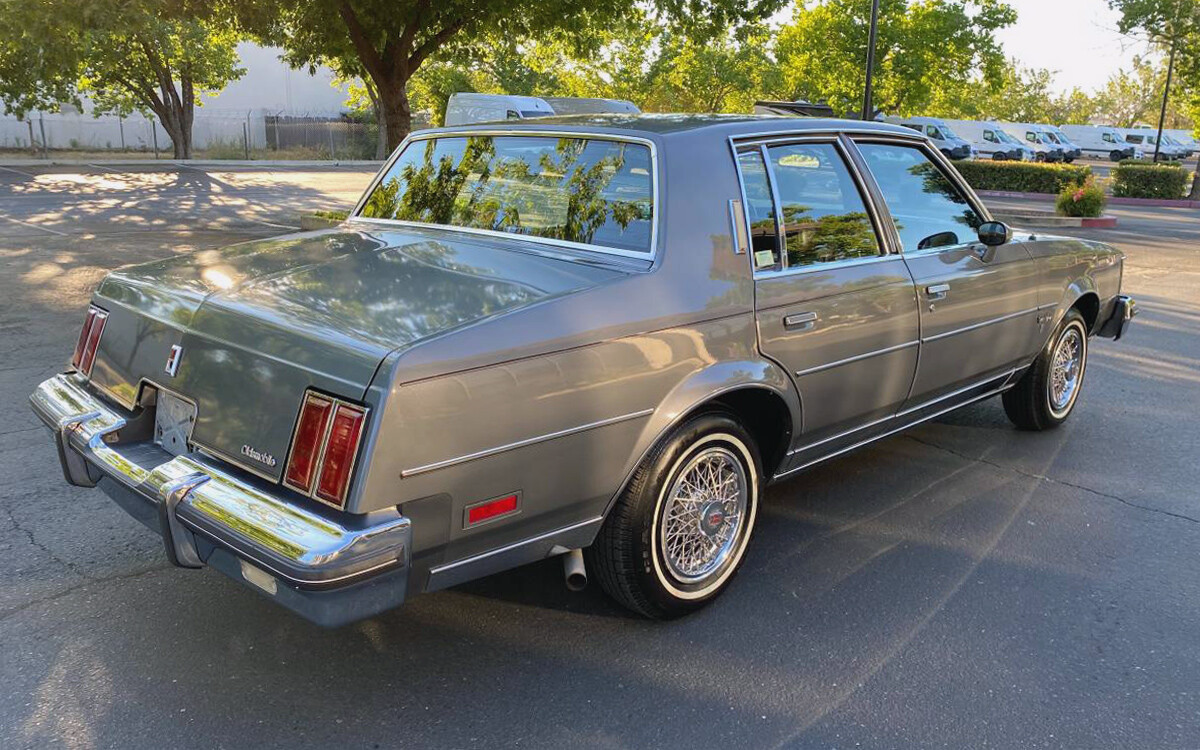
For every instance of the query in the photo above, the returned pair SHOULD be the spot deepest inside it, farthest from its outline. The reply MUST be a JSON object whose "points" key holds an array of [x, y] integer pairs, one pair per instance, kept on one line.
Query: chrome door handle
{"points": [[937, 291], [800, 321]]}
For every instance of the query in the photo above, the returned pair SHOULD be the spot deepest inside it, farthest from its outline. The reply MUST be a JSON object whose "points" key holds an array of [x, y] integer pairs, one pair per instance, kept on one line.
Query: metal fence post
{"points": [[121, 127], [246, 140], [45, 146], [32, 143], [329, 128], [154, 132]]}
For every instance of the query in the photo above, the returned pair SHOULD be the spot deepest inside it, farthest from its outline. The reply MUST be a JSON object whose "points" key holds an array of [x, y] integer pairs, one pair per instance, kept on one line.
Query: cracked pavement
{"points": [[959, 585]]}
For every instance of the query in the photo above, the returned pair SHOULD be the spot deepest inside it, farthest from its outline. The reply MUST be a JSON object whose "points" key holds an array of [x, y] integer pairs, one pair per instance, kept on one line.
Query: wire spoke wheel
{"points": [[703, 513], [1066, 369]]}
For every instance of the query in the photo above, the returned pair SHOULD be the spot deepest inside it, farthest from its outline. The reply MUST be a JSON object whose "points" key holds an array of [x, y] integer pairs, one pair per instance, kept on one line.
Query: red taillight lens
{"points": [[83, 337], [89, 340], [306, 447], [340, 450]]}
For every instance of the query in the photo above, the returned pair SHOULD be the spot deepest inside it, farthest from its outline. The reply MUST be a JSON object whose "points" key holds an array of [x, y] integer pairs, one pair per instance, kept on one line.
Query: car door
{"points": [[978, 304], [833, 306]]}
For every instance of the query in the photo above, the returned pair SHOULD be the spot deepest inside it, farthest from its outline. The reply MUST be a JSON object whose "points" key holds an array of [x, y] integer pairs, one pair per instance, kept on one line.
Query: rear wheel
{"points": [[1044, 397], [678, 532]]}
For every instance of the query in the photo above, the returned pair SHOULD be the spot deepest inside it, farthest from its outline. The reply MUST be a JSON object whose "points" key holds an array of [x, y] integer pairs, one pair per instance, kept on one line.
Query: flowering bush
{"points": [[1081, 199]]}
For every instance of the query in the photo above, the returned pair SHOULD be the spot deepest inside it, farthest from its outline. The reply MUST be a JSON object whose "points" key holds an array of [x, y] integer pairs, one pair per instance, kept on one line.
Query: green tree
{"points": [[924, 48], [393, 39], [125, 55], [1132, 96]]}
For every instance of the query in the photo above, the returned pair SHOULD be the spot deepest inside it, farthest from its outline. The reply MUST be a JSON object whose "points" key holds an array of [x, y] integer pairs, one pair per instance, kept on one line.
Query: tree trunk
{"points": [[179, 129], [381, 142], [1195, 194], [397, 117]]}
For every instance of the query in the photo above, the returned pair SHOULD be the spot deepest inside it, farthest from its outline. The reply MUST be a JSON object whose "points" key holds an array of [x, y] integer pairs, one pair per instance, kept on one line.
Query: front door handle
{"points": [[800, 321], [937, 291]]}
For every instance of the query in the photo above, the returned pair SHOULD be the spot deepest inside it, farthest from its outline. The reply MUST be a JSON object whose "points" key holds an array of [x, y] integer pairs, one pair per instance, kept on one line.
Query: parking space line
{"points": [[17, 171], [34, 226]]}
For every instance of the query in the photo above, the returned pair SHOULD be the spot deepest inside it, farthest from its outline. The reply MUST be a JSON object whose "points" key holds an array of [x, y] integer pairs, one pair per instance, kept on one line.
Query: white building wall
{"points": [[269, 87]]}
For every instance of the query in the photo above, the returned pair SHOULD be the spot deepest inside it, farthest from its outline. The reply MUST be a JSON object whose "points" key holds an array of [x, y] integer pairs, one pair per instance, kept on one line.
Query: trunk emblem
{"points": [[173, 359], [265, 458]]}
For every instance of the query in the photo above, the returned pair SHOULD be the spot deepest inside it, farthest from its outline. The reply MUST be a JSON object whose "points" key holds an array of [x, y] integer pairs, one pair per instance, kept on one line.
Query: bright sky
{"points": [[1076, 38]]}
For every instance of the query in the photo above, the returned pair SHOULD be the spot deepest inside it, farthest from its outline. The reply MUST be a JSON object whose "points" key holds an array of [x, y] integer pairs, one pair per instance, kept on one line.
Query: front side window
{"points": [[823, 214], [1108, 138], [989, 136], [928, 208], [577, 189]]}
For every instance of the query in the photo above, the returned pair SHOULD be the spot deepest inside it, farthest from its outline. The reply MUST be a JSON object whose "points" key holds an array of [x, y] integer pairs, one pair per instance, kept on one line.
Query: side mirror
{"points": [[993, 233]]}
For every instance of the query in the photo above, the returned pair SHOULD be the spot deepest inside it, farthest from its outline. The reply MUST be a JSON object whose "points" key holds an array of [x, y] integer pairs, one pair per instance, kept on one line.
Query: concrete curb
{"points": [[1026, 218], [1165, 202], [188, 163]]}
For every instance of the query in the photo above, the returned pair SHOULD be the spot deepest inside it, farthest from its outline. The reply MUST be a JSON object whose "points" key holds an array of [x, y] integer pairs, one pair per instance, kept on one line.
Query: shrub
{"points": [[1150, 162], [1085, 199], [1149, 181], [1022, 177]]}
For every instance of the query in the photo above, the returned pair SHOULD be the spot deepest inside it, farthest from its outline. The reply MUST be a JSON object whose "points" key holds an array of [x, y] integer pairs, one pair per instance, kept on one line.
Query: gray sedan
{"points": [[591, 337]]}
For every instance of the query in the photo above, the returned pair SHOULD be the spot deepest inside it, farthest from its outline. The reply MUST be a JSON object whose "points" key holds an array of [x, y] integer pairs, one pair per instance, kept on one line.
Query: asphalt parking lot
{"points": [[960, 585]]}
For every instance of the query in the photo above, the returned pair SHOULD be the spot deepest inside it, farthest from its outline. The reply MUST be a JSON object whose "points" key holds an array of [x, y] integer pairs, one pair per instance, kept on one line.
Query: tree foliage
{"points": [[125, 55], [924, 47], [391, 40]]}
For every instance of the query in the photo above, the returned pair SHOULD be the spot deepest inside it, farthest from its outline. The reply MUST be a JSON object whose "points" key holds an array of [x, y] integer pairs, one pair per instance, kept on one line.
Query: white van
{"points": [[469, 108], [1071, 149], [1186, 138], [1146, 138], [1102, 142], [578, 105], [1044, 146], [990, 141], [947, 141]]}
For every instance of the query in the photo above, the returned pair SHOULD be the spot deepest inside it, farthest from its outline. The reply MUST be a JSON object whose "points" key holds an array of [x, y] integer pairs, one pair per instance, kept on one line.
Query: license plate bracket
{"points": [[174, 418]]}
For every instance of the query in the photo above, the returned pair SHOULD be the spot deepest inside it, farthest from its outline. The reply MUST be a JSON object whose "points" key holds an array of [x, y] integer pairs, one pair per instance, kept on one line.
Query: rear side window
{"points": [[760, 206], [824, 216], [582, 190], [928, 208]]}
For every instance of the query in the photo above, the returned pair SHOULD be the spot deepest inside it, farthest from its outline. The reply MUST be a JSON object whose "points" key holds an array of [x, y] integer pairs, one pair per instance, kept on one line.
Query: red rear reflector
{"points": [[340, 450], [307, 444], [83, 337], [93, 342], [492, 508]]}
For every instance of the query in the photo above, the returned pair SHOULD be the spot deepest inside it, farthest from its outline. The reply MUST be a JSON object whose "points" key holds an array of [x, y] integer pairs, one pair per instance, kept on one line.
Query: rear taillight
{"points": [[324, 447], [89, 340]]}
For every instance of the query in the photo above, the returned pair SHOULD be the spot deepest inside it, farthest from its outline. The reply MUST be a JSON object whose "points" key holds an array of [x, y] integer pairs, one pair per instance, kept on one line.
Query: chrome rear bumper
{"points": [[329, 567]]}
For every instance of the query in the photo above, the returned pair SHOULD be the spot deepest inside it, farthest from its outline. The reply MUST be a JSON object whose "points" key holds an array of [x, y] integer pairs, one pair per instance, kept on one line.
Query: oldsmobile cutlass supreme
{"points": [[597, 334]]}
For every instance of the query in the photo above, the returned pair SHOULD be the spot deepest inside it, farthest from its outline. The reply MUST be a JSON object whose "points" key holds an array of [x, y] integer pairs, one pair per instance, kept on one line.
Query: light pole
{"points": [[867, 111], [1162, 113]]}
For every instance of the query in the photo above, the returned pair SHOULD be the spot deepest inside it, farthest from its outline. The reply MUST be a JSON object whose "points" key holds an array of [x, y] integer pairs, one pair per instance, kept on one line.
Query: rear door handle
{"points": [[937, 291], [800, 321]]}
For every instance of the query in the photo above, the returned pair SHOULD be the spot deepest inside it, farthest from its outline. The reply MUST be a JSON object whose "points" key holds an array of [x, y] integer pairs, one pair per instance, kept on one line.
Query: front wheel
{"points": [[678, 532], [1044, 397]]}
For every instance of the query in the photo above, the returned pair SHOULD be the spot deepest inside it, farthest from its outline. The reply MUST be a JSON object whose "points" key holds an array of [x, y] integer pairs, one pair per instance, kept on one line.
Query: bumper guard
{"points": [[331, 568]]}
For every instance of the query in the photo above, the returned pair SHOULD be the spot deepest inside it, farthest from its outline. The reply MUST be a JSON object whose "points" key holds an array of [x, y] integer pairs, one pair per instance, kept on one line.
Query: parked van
{"points": [[1146, 138], [1186, 138], [1044, 147], [947, 141], [468, 108], [990, 141], [1187, 148], [1071, 150], [578, 105], [1102, 142]]}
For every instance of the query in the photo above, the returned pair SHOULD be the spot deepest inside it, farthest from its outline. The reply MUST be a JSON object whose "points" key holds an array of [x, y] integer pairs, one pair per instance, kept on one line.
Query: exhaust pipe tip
{"points": [[574, 570]]}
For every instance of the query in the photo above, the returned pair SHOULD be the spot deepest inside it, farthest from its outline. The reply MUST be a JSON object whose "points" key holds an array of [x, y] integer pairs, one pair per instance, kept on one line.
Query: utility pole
{"points": [[1162, 113], [868, 111]]}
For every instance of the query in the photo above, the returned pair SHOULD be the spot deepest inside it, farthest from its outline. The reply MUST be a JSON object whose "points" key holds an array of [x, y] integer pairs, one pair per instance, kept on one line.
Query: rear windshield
{"points": [[584, 190]]}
